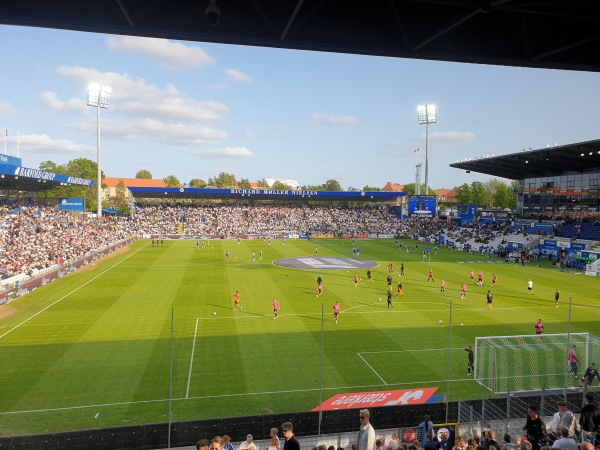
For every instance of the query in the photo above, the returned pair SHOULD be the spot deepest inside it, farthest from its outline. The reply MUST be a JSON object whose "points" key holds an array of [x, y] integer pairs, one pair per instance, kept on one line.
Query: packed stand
{"points": [[34, 237]]}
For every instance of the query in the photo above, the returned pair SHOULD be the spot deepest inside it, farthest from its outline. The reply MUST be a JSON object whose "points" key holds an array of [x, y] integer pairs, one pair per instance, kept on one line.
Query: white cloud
{"points": [[44, 144], [172, 55], [135, 97], [6, 108], [237, 75], [165, 132], [451, 136], [333, 119], [74, 105], [225, 152]]}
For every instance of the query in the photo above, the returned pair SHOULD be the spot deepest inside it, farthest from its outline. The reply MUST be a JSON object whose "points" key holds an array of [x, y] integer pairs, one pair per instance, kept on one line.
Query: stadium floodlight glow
{"points": [[426, 115], [98, 97]]}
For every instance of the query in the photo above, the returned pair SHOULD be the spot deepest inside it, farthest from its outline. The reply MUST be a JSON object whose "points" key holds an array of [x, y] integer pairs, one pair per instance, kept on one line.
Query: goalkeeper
{"points": [[589, 375]]}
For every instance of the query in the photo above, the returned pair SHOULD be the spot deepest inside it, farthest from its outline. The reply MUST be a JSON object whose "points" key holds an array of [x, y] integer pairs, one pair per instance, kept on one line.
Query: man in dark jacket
{"points": [[535, 428], [590, 418]]}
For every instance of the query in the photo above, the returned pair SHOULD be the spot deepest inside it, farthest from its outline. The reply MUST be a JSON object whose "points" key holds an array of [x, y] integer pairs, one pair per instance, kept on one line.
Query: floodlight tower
{"points": [[98, 97], [426, 115], [418, 172]]}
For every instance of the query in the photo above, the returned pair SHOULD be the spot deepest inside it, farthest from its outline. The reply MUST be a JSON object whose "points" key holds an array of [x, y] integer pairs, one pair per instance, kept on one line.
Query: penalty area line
{"points": [[371, 367], [187, 392]]}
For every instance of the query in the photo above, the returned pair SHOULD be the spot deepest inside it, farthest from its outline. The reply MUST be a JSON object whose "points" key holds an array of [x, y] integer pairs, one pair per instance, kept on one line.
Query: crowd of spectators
{"points": [[232, 220], [33, 237]]}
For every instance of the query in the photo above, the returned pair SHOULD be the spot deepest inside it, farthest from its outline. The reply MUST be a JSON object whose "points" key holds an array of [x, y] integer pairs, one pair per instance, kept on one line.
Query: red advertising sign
{"points": [[378, 398]]}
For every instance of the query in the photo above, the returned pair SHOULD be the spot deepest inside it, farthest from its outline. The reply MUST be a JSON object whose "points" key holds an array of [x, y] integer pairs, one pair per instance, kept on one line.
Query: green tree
{"points": [[244, 184], [121, 193], [280, 186], [81, 168], [309, 187], [504, 197], [463, 194], [197, 183], [263, 184], [223, 180], [478, 194], [172, 181], [410, 189], [368, 188], [144, 174], [332, 185], [50, 166]]}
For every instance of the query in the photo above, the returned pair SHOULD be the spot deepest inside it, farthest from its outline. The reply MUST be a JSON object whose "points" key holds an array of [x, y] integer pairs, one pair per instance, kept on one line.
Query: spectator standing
{"points": [[217, 443], [426, 428], [431, 444], [248, 444], [590, 418], [273, 434], [534, 428], [291, 443], [274, 444], [227, 445], [366, 434], [562, 419]]}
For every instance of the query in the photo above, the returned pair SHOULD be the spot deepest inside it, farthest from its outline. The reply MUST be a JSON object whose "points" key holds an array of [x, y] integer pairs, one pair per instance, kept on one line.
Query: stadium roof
{"points": [[558, 34], [546, 162], [18, 178], [260, 194]]}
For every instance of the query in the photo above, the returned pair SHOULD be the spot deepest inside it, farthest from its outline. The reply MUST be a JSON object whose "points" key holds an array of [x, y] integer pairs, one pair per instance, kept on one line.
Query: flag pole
{"points": [[18, 144]]}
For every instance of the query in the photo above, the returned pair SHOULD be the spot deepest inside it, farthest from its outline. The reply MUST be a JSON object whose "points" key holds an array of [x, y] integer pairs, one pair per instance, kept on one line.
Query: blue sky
{"points": [[194, 110]]}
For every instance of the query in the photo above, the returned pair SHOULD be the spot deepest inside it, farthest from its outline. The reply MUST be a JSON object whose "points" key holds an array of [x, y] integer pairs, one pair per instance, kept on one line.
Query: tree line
{"points": [[491, 194]]}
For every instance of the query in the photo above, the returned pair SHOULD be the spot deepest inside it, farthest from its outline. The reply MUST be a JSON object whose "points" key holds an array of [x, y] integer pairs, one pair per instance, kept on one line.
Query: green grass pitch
{"points": [[92, 349]]}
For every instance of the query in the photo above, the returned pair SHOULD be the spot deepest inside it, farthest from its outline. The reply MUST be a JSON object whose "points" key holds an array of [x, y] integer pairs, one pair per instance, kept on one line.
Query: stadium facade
{"points": [[553, 181]]}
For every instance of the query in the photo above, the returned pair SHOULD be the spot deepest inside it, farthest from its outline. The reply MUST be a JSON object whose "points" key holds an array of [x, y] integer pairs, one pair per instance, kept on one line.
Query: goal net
{"points": [[530, 362]]}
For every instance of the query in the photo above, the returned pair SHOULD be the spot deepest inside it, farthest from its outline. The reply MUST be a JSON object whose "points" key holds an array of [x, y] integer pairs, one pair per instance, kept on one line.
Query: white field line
{"points": [[187, 391], [69, 294], [373, 370], [221, 396]]}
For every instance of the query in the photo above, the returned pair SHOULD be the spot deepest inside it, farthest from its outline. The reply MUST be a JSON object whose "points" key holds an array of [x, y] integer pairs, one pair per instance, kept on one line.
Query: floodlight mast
{"points": [[426, 115], [98, 97], [418, 172]]}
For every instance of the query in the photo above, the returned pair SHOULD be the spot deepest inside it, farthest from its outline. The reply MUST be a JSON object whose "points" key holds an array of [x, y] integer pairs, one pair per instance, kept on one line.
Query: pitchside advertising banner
{"points": [[357, 400], [422, 205], [71, 204]]}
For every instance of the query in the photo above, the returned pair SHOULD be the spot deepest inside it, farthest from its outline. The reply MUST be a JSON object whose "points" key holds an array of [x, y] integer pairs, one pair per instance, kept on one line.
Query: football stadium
{"points": [[232, 310]]}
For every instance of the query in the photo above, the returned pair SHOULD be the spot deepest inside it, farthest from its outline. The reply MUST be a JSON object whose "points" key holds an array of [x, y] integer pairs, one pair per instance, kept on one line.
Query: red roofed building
{"points": [[446, 195], [392, 187], [112, 182]]}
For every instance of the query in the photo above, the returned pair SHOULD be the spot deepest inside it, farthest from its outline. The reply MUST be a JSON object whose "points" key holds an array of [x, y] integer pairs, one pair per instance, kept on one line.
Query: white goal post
{"points": [[530, 362]]}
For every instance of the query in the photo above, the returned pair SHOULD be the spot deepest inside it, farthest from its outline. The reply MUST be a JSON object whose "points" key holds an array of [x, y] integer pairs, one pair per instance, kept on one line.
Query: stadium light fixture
{"points": [[426, 115], [98, 97]]}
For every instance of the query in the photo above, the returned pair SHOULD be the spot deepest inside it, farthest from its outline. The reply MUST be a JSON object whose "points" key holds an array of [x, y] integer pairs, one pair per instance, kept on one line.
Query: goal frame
{"points": [[495, 377]]}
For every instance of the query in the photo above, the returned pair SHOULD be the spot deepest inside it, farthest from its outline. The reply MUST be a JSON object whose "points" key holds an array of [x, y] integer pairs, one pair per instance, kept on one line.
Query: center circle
{"points": [[325, 263]]}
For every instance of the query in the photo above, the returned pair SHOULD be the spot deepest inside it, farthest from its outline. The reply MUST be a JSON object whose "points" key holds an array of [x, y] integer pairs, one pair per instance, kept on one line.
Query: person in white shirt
{"points": [[366, 435], [248, 444]]}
